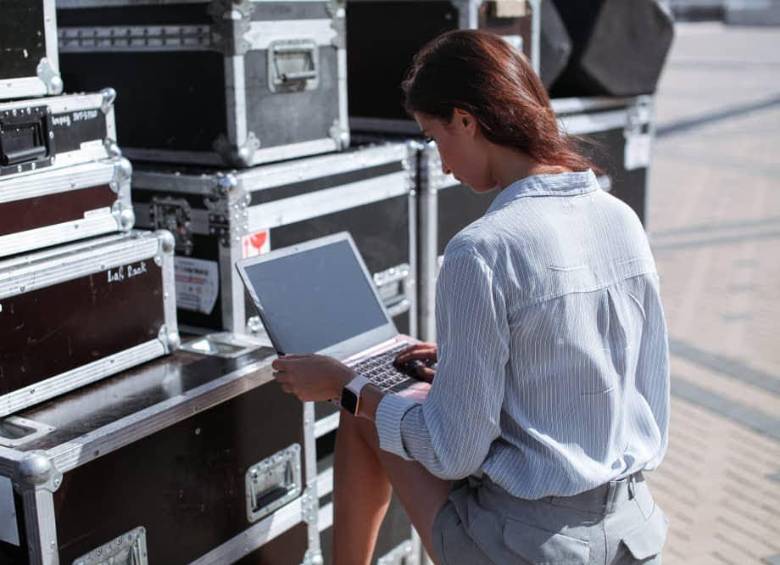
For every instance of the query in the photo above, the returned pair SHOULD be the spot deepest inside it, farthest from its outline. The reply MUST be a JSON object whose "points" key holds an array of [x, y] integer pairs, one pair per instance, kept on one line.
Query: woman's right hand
{"points": [[424, 355]]}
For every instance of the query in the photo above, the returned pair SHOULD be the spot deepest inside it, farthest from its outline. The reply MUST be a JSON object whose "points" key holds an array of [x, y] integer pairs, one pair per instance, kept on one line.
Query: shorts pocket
{"points": [[541, 547], [648, 539]]}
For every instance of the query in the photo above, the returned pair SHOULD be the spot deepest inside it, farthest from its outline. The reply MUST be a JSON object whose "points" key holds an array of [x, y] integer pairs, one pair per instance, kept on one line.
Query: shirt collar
{"points": [[559, 184]]}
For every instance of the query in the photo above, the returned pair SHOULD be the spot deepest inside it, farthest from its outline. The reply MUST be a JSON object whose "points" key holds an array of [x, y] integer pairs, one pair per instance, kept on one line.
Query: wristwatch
{"points": [[350, 394]]}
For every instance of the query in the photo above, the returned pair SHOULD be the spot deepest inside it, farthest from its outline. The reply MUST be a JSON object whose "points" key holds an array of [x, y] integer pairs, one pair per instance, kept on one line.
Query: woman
{"points": [[551, 393]]}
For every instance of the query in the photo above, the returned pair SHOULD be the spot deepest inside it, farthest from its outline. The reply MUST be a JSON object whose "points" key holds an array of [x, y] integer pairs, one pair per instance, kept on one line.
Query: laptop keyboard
{"points": [[379, 369]]}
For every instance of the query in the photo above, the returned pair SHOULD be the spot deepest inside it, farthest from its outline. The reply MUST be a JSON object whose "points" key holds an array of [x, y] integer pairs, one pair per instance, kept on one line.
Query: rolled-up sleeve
{"points": [[451, 432]]}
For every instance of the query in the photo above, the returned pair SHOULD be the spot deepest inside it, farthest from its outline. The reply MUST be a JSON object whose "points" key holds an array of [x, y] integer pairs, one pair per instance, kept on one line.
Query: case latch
{"points": [[26, 139], [273, 482], [292, 65]]}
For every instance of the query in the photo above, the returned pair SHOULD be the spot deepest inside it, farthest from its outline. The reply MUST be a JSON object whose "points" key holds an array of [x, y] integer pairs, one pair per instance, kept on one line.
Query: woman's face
{"points": [[462, 149]]}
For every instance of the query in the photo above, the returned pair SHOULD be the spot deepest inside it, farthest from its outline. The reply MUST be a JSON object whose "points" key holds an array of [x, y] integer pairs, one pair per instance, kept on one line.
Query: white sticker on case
{"points": [[197, 284]]}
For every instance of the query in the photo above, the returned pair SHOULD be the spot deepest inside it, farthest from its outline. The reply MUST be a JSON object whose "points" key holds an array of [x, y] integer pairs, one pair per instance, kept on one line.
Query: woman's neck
{"points": [[509, 166]]}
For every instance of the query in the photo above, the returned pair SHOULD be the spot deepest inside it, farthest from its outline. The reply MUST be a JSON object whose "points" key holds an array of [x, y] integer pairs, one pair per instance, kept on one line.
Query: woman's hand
{"points": [[424, 355], [312, 377]]}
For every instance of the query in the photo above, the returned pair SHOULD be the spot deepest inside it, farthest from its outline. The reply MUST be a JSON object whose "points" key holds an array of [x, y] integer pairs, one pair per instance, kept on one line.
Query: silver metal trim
{"points": [[327, 424], [563, 106], [39, 270], [260, 156], [325, 482], [276, 174], [536, 34], [429, 241], [310, 499], [255, 536], [263, 34], [143, 423], [325, 517], [233, 303], [76, 378], [57, 181], [129, 547], [60, 233], [297, 208], [41, 526]]}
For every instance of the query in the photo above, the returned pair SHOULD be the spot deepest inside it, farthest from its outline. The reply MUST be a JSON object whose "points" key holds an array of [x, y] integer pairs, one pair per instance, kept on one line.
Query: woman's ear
{"points": [[465, 120]]}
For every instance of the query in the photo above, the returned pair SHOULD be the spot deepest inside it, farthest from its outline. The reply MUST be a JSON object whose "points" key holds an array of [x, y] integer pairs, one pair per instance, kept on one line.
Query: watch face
{"points": [[349, 400]]}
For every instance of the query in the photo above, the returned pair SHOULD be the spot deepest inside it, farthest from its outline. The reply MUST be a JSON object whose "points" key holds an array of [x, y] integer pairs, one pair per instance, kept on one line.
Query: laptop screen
{"points": [[316, 298]]}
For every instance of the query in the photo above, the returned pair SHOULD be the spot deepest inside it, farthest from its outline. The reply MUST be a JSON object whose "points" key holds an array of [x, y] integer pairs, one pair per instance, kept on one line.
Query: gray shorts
{"points": [[616, 523]]}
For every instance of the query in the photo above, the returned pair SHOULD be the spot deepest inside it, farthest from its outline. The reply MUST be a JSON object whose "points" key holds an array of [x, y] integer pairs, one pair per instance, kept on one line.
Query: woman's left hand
{"points": [[312, 377]]}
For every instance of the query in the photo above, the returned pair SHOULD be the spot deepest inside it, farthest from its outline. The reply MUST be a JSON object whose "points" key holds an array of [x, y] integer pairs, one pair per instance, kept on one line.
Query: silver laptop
{"points": [[317, 297]]}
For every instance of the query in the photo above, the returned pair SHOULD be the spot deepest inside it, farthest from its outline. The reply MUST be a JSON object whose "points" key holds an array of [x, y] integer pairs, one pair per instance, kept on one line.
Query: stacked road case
{"points": [[214, 82]]}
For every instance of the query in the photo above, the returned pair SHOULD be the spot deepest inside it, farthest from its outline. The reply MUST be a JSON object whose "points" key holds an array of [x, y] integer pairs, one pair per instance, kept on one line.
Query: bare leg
{"points": [[361, 495], [421, 493]]}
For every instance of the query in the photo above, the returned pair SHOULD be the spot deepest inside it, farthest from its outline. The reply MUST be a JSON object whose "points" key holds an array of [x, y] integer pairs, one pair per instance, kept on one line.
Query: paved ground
{"points": [[715, 228]]}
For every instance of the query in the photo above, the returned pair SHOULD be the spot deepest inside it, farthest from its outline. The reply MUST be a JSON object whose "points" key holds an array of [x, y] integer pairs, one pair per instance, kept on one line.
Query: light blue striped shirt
{"points": [[553, 374]]}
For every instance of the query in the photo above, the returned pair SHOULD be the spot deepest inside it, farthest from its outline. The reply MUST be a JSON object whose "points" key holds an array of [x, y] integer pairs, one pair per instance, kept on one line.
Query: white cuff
{"points": [[389, 414]]}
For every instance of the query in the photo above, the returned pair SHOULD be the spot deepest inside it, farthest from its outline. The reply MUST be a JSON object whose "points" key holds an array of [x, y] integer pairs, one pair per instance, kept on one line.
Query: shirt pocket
{"points": [[648, 539], [541, 547]]}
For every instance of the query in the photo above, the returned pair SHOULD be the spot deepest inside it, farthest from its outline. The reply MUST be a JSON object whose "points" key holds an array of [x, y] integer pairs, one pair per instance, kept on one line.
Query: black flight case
{"points": [[384, 35], [74, 314], [221, 217], [213, 82], [198, 457]]}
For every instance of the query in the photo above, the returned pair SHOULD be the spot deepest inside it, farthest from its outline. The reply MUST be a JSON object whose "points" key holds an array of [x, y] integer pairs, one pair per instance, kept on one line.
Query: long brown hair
{"points": [[482, 74]]}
